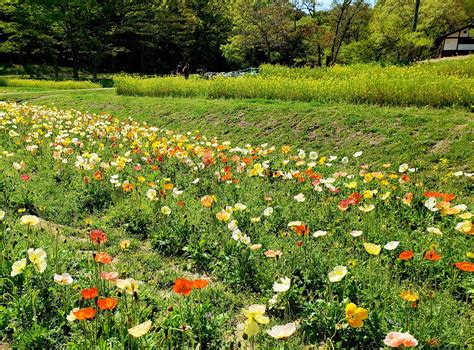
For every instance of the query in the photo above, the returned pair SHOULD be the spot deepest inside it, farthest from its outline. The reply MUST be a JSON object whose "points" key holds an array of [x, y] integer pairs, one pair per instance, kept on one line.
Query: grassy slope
{"points": [[395, 134]]}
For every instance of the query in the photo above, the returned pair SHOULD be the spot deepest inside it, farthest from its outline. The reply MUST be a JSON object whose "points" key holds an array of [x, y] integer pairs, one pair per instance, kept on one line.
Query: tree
{"points": [[392, 22], [342, 17]]}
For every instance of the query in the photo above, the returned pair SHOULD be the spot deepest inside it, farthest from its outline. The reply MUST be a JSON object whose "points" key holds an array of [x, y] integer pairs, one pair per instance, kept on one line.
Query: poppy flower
{"points": [[301, 230], [29, 220], [207, 201], [87, 313], [447, 197], [465, 266], [98, 236], [18, 267], [337, 274], [199, 284], [125, 244], [140, 330], [109, 276], [255, 315], [273, 253], [397, 339], [409, 296], [38, 258], [107, 303], [129, 285], [103, 258], [90, 293], [282, 332], [182, 286], [432, 256], [25, 177], [98, 175], [406, 255], [371, 248], [355, 316]]}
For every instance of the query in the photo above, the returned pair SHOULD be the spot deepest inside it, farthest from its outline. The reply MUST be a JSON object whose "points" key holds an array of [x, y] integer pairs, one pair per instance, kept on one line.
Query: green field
{"points": [[208, 189]]}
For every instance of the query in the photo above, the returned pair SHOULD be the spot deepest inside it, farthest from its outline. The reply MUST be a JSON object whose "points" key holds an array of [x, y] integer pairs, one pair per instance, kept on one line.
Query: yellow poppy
{"points": [[373, 249], [355, 316]]}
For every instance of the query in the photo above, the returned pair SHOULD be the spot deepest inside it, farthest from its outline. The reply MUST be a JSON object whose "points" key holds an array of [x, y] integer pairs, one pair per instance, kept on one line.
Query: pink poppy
{"points": [[396, 339]]}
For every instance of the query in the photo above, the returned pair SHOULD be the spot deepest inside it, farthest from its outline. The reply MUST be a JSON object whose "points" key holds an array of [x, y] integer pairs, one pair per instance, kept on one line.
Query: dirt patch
{"points": [[441, 146]]}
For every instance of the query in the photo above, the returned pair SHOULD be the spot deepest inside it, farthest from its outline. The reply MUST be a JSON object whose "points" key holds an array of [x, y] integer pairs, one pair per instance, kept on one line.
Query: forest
{"points": [[154, 36]]}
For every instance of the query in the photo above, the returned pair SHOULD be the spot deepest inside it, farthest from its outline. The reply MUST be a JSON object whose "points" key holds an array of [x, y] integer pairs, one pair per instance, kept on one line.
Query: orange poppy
{"points": [[87, 313], [168, 186], [107, 303], [103, 258], [90, 293], [199, 284], [181, 204], [182, 286], [207, 201], [301, 230], [432, 256], [465, 266], [128, 187], [447, 197], [406, 255], [98, 175], [98, 236]]}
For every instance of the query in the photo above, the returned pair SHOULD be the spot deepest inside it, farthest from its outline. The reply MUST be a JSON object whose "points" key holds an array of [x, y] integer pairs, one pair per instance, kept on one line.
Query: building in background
{"points": [[457, 42]]}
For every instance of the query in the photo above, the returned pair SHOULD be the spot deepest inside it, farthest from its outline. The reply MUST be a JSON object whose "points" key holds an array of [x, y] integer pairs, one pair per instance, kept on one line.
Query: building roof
{"points": [[470, 25]]}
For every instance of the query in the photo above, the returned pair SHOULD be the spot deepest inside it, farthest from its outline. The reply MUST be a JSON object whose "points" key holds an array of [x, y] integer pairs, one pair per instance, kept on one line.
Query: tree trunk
{"points": [[320, 56], [415, 16], [56, 68], [75, 63]]}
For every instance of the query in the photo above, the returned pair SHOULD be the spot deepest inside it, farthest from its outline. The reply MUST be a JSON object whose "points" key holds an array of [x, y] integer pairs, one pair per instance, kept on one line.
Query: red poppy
{"points": [[98, 236], [406, 255], [90, 293], [25, 177], [432, 256], [405, 178], [344, 204], [103, 258], [107, 303], [354, 198], [182, 286], [87, 313], [465, 266], [299, 244], [199, 284]]}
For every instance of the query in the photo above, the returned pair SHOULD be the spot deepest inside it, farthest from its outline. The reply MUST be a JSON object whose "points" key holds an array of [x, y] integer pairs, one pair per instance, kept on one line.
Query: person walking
{"points": [[186, 71], [179, 69]]}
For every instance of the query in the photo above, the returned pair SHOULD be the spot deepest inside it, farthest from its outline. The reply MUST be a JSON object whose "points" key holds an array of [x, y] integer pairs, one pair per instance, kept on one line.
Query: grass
{"points": [[418, 134], [174, 196], [436, 84], [48, 84]]}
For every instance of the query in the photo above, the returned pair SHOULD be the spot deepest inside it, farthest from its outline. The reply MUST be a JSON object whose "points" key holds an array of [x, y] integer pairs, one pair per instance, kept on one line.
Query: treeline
{"points": [[153, 36]]}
